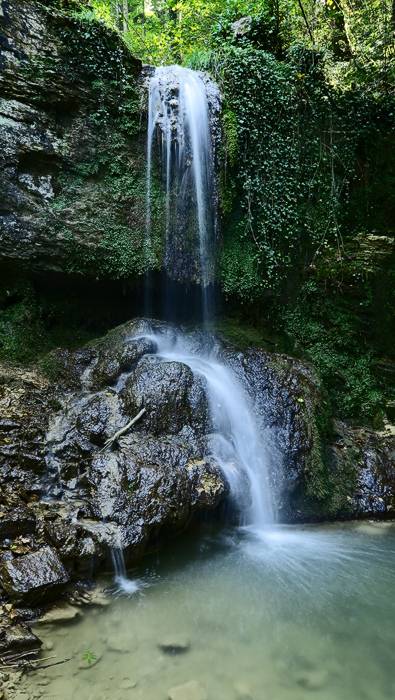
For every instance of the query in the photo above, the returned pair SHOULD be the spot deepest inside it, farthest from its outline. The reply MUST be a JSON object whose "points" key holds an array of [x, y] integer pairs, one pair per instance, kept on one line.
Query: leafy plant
{"points": [[89, 657]]}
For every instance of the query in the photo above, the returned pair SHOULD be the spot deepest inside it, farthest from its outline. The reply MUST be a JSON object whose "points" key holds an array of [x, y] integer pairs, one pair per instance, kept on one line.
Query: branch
{"points": [[305, 20], [123, 430], [56, 663]]}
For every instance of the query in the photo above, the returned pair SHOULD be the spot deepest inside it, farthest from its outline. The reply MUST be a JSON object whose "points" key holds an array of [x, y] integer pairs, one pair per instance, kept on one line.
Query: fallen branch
{"points": [[14, 659], [56, 663], [123, 430]]}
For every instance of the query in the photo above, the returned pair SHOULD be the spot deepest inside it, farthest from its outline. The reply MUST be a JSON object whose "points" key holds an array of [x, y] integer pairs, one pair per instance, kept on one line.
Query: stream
{"points": [[240, 615]]}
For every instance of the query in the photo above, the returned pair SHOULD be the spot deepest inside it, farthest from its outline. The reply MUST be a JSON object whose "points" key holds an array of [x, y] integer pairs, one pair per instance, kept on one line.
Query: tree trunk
{"points": [[125, 15]]}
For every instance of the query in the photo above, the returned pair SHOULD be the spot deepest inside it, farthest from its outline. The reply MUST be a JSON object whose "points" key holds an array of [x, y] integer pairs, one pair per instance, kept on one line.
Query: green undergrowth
{"points": [[30, 327]]}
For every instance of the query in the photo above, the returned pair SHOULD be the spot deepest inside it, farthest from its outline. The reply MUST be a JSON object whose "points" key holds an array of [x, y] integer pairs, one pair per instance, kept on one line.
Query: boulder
{"points": [[172, 396], [33, 577]]}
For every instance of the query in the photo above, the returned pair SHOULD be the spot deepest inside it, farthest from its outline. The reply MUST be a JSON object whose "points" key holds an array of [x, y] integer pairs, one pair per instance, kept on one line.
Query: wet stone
{"points": [[119, 644]]}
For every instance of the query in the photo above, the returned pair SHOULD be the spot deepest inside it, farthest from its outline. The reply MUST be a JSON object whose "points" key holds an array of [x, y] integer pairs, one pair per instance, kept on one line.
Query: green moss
{"points": [[102, 201]]}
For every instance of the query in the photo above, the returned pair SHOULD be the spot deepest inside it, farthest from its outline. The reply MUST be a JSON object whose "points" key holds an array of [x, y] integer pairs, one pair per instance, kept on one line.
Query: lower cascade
{"points": [[236, 443]]}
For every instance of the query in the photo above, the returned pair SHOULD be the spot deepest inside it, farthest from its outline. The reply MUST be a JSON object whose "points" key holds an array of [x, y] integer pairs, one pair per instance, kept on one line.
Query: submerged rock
{"points": [[34, 576], [175, 644], [59, 615], [188, 691], [313, 679]]}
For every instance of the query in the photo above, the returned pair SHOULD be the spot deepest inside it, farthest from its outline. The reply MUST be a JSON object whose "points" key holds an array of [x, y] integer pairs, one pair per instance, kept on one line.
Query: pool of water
{"points": [[289, 614]]}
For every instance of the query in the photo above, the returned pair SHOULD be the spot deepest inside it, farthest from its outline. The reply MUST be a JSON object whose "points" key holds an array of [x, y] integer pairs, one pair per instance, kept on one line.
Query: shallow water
{"points": [[294, 613]]}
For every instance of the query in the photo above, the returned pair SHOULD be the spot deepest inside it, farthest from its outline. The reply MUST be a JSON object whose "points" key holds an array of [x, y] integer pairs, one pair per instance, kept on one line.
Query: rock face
{"points": [[62, 125], [370, 456]]}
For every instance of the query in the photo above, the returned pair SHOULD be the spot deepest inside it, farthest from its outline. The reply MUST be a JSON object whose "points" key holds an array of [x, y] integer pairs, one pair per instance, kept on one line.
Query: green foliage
{"points": [[294, 143], [324, 330]]}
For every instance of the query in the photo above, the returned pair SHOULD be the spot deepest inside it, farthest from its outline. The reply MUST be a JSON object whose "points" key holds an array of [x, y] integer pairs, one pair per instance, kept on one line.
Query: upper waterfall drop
{"points": [[183, 104]]}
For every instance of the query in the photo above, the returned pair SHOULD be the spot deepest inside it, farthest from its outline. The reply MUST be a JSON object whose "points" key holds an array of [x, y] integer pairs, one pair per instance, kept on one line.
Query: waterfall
{"points": [[179, 126], [179, 118]]}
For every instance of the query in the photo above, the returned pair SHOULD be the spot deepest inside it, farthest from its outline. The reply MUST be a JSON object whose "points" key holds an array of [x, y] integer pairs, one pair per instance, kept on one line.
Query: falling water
{"points": [[179, 122], [123, 583], [179, 118], [237, 442]]}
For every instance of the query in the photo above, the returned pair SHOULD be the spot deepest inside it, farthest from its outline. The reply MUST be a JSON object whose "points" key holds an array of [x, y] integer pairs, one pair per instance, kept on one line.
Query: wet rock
{"points": [[175, 644], [119, 357], [97, 597], [93, 417], [59, 615], [188, 691], [368, 457], [17, 521], [33, 577], [120, 644], [17, 638]]}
